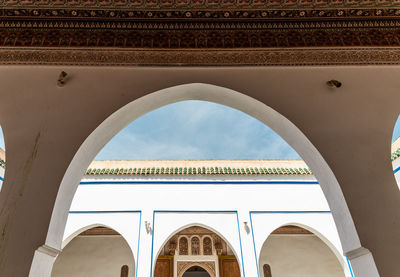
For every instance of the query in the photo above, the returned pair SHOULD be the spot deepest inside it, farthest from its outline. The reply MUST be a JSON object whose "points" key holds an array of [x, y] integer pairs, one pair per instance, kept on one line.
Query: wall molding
{"points": [[208, 57]]}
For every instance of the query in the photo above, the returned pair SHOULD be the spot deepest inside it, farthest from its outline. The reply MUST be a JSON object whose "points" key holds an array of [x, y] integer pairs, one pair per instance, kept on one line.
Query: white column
{"points": [[249, 259], [144, 258]]}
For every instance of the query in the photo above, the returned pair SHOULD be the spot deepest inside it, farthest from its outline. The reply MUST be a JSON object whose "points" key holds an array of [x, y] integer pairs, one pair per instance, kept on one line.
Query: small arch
{"points": [[183, 246], [303, 253], [207, 245], [267, 270], [94, 252], [124, 271], [197, 267], [195, 245]]}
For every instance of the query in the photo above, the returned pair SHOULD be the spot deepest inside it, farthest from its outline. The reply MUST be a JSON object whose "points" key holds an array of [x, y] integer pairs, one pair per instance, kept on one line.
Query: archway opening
{"points": [[196, 251], [196, 271], [105, 131], [2, 158], [395, 151], [96, 252], [295, 251]]}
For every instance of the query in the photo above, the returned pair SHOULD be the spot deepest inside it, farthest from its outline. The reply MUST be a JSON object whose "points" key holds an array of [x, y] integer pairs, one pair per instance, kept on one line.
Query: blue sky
{"points": [[197, 130]]}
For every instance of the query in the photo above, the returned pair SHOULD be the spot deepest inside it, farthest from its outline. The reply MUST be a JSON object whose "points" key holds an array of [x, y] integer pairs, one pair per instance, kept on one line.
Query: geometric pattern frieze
{"points": [[190, 57], [197, 3]]}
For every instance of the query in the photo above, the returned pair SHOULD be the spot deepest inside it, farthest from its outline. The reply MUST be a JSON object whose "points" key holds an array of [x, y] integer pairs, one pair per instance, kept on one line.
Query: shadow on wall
{"points": [[96, 252], [297, 252]]}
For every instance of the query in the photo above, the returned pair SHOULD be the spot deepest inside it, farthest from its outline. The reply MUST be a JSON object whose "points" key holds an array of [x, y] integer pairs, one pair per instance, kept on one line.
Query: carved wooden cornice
{"points": [[199, 32], [124, 4], [206, 57]]}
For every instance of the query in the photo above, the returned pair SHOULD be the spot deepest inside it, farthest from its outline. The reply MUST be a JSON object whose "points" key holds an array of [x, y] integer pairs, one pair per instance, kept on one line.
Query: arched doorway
{"points": [[96, 252], [2, 158], [196, 251], [196, 271], [395, 151], [106, 130], [292, 250]]}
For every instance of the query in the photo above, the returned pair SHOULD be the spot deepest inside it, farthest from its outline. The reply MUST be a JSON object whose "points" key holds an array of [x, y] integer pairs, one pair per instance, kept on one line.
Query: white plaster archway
{"points": [[82, 229], [361, 258], [317, 233]]}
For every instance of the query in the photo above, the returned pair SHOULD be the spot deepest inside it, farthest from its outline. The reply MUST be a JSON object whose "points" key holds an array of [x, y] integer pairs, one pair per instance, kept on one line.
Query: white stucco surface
{"points": [[242, 210]]}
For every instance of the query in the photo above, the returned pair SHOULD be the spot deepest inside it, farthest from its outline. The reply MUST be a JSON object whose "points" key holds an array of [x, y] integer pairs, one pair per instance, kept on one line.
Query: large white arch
{"points": [[361, 258]]}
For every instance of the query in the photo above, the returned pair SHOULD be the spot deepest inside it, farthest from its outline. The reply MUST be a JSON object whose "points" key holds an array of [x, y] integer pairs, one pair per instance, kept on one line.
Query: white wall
{"points": [[300, 256], [124, 205], [94, 256]]}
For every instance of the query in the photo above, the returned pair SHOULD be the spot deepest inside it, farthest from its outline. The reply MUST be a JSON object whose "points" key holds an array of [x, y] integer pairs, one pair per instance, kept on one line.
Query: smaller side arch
{"points": [[92, 250], [315, 249]]}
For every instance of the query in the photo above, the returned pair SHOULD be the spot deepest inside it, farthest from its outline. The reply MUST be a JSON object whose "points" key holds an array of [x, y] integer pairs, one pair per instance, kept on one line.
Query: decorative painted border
{"points": [[200, 211], [207, 57], [204, 36], [121, 211], [166, 12], [120, 4]]}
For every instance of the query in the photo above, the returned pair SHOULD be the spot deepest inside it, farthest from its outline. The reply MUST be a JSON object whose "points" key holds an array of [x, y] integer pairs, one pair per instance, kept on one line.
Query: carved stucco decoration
{"points": [[207, 246], [207, 57], [199, 32], [195, 246], [208, 266], [183, 246]]}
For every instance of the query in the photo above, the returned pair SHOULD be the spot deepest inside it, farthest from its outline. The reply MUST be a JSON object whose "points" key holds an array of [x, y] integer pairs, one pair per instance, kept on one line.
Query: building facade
{"points": [[175, 215]]}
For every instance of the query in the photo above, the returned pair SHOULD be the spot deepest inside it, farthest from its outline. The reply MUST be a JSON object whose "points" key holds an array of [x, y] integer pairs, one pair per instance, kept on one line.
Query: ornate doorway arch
{"points": [[207, 266]]}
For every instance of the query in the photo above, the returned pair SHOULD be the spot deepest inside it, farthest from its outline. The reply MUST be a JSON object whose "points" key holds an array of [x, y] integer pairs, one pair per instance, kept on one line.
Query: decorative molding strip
{"points": [[48, 250], [121, 4], [70, 27], [206, 57], [291, 230], [211, 37], [100, 231], [203, 13], [356, 253]]}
